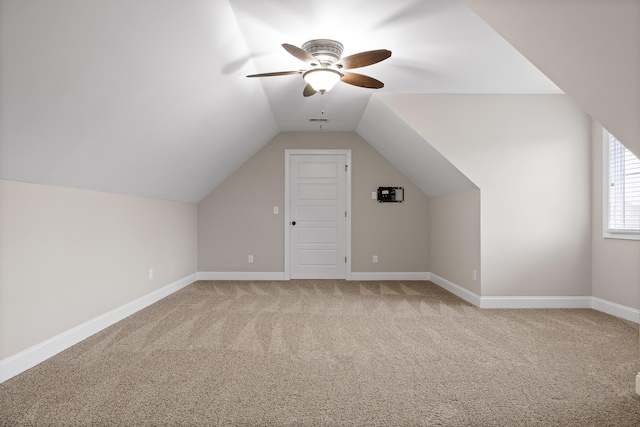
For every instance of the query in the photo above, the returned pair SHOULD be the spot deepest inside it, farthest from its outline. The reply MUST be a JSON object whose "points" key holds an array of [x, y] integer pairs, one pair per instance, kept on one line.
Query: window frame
{"points": [[606, 185]]}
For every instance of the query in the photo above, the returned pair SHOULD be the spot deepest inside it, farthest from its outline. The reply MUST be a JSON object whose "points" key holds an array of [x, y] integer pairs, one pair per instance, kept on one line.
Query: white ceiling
{"points": [[150, 98]]}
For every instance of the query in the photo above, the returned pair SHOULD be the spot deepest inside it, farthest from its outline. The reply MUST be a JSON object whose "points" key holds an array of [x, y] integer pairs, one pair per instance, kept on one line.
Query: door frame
{"points": [[287, 208]]}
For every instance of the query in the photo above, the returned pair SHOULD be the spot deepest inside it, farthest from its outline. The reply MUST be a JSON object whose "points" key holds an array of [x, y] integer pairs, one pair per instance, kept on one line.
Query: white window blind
{"points": [[624, 190]]}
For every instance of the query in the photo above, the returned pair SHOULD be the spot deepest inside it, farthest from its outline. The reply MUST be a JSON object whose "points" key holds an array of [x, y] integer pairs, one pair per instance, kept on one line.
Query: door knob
{"points": [[293, 223]]}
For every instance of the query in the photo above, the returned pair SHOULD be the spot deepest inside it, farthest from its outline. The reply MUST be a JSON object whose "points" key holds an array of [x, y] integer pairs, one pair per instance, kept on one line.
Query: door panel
{"points": [[317, 169], [317, 258], [318, 235], [318, 213], [308, 191]]}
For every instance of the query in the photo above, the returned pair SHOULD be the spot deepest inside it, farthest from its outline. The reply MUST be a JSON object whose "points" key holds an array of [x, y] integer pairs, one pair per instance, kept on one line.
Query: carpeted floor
{"points": [[334, 353]]}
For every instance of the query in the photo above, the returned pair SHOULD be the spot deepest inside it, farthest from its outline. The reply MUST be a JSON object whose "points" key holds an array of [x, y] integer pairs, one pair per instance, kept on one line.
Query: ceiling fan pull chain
{"points": [[321, 107]]}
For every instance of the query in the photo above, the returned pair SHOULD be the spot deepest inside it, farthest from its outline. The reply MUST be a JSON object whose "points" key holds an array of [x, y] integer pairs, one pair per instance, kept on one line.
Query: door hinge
{"points": [[345, 214], [346, 168], [345, 260]]}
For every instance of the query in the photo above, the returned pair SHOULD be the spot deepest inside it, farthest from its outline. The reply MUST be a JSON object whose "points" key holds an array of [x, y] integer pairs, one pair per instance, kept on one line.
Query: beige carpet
{"points": [[334, 353]]}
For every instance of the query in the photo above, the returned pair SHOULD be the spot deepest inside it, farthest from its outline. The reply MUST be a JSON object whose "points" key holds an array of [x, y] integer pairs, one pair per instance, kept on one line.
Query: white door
{"points": [[317, 216]]}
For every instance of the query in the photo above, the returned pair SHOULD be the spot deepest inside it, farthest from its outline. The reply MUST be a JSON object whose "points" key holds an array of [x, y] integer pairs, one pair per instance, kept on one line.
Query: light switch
{"points": [[276, 210]]}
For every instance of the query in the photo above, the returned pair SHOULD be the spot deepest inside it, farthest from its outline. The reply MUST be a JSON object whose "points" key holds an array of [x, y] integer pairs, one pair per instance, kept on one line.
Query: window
{"points": [[622, 191]]}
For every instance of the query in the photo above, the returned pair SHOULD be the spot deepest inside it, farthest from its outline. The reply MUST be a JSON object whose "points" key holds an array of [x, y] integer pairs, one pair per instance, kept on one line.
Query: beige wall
{"points": [[615, 262], [454, 238], [588, 48], [236, 219], [68, 256], [530, 157]]}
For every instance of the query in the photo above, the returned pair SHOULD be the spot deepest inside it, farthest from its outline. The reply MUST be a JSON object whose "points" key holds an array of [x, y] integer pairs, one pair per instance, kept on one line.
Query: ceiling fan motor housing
{"points": [[324, 50]]}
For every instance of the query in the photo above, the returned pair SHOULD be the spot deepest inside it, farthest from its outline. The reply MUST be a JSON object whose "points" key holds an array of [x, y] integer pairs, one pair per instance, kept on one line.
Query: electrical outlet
{"points": [[250, 259], [475, 275], [150, 273], [375, 259], [374, 195]]}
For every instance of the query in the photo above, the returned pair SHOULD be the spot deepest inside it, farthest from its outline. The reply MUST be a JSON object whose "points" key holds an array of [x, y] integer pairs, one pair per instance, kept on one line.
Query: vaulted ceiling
{"points": [[150, 98]]}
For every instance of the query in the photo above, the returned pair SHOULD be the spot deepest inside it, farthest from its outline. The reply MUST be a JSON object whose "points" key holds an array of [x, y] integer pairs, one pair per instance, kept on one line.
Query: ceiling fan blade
{"points": [[363, 59], [300, 54], [277, 73], [308, 90], [361, 80]]}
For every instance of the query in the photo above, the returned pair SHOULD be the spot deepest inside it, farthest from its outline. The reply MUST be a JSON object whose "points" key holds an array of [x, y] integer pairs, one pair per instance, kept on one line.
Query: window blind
{"points": [[624, 189]]}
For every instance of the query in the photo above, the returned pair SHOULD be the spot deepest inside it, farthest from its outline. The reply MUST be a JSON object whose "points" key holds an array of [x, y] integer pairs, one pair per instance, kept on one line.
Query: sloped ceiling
{"points": [[150, 98], [126, 96], [405, 149], [591, 49]]}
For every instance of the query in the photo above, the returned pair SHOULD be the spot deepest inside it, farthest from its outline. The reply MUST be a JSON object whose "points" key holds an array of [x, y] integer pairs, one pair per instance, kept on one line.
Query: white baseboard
{"points": [[614, 309], [390, 276], [250, 275], [457, 290], [32, 356], [595, 303], [535, 302], [240, 275]]}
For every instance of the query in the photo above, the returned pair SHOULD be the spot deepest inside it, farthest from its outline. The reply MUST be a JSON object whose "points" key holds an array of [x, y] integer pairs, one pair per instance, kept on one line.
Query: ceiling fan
{"points": [[324, 57]]}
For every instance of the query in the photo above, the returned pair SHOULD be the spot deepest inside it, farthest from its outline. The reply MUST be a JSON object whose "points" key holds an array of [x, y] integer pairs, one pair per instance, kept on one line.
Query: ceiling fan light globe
{"points": [[322, 79]]}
